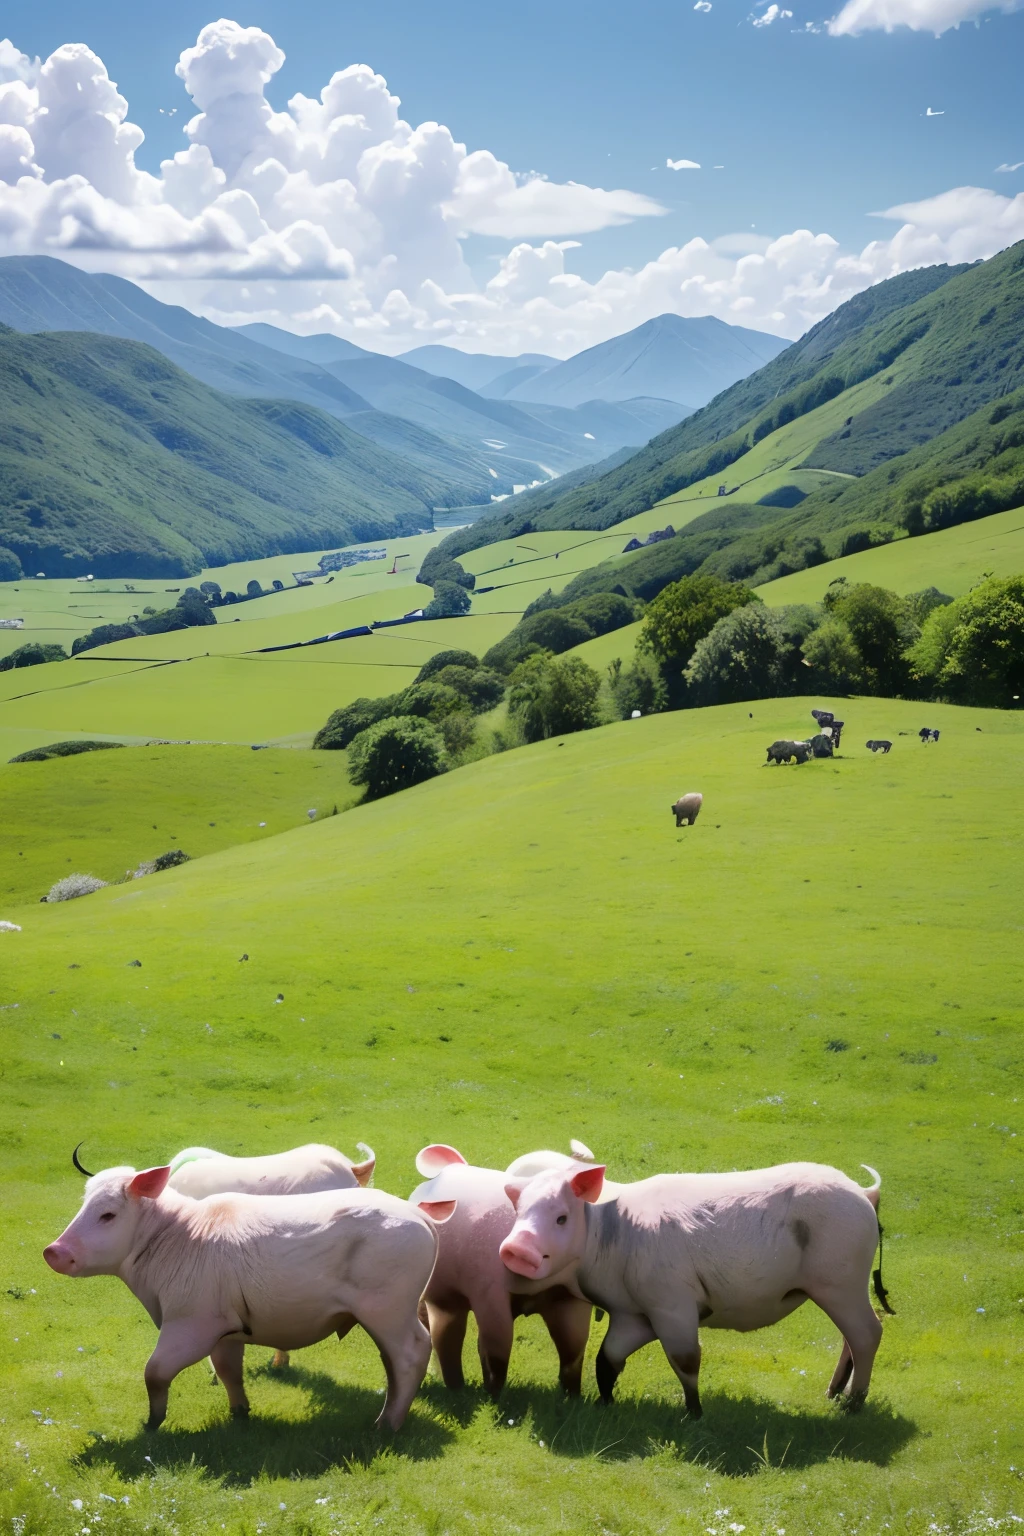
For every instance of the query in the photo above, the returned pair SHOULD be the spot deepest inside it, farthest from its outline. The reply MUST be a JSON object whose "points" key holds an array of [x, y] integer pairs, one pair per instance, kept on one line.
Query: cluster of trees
{"points": [[549, 626], [432, 722], [32, 655], [191, 609], [451, 583], [552, 696], [704, 641]]}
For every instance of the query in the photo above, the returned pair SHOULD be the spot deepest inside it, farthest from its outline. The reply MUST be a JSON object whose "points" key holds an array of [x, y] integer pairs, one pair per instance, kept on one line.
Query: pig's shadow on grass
{"points": [[736, 1436], [337, 1431]]}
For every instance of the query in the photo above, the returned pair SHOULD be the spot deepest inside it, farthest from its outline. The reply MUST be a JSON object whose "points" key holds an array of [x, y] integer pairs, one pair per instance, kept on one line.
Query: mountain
{"points": [[900, 413], [476, 370], [671, 358], [39, 293], [114, 461], [520, 442], [321, 348]]}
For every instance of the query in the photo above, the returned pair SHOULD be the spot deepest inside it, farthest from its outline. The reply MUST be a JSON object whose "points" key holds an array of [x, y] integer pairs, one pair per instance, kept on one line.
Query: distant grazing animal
{"points": [[782, 751], [821, 745], [678, 1252], [470, 1277], [823, 716], [687, 808], [878, 746], [837, 732], [927, 734], [217, 1274]]}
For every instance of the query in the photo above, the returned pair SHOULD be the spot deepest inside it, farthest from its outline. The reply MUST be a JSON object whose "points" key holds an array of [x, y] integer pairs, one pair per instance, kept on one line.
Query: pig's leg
{"points": [[862, 1332], [627, 1331], [182, 1342], [681, 1343], [227, 1357], [841, 1374], [494, 1327], [568, 1322], [404, 1346], [447, 1334]]}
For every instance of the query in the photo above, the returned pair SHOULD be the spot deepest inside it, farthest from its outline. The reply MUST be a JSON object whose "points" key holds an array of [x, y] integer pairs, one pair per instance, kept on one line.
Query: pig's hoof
{"points": [[240, 1411], [152, 1424], [852, 1403]]}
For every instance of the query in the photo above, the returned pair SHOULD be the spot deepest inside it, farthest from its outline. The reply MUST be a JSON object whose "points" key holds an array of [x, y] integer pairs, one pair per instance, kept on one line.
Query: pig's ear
{"points": [[581, 1152], [514, 1189], [438, 1210], [435, 1157], [364, 1171], [149, 1184], [588, 1183]]}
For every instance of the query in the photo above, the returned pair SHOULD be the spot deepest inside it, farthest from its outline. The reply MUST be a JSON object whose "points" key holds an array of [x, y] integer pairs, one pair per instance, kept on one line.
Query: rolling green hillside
{"points": [[826, 966], [115, 462]]}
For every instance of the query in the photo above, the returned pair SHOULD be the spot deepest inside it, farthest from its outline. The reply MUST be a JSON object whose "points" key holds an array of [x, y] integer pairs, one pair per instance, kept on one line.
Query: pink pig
{"points": [[470, 1277], [678, 1252]]}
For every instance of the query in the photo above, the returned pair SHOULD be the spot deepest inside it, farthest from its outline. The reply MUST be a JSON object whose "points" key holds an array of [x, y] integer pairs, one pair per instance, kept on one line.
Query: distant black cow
{"points": [[823, 716], [821, 745], [878, 746], [837, 731], [782, 751], [927, 734]]}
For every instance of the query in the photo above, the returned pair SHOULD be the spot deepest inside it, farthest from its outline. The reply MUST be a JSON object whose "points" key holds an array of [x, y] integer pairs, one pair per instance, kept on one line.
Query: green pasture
{"points": [[103, 813], [827, 966], [953, 560]]}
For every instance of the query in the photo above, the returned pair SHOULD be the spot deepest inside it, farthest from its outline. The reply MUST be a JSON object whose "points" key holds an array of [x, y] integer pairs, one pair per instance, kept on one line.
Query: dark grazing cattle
{"points": [[783, 751], [878, 746], [821, 745], [927, 734], [823, 716]]}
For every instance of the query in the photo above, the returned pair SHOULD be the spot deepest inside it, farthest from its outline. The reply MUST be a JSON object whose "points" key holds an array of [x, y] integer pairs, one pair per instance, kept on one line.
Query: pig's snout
{"points": [[60, 1258], [520, 1253]]}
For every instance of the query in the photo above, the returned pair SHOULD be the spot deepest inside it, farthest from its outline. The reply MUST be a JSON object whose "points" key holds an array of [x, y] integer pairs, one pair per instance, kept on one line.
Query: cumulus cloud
{"points": [[683, 165], [919, 15], [773, 13], [336, 214], [703, 5]]}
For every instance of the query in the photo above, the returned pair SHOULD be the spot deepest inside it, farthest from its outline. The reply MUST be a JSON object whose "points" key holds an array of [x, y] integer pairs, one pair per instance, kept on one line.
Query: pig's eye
{"points": [[561, 1221], [107, 1216]]}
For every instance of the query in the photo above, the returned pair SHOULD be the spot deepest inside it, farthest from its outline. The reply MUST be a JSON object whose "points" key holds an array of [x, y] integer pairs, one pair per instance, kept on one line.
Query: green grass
{"points": [[953, 560], [521, 951], [108, 811]]}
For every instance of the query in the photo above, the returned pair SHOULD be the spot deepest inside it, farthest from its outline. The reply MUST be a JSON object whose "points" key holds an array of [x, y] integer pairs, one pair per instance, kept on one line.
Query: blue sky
{"points": [[813, 131]]}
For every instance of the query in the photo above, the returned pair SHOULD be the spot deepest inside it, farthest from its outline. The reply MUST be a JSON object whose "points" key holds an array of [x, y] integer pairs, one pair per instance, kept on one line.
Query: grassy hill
{"points": [[827, 966], [114, 461]]}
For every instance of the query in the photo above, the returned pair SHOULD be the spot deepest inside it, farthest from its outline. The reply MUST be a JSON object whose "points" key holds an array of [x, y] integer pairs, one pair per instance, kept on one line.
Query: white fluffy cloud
{"points": [[338, 215], [919, 15], [773, 13], [683, 165]]}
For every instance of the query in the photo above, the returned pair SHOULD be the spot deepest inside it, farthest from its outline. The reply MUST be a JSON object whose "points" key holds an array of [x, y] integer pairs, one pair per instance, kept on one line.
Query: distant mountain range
{"points": [[667, 358]]}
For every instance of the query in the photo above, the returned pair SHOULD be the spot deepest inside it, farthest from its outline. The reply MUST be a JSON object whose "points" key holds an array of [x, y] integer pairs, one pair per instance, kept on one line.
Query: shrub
{"points": [[450, 601], [446, 659], [973, 650], [63, 749], [743, 657], [553, 696], [104, 634], [458, 731], [32, 655], [163, 861], [210, 589], [922, 603], [253, 589], [396, 753], [10, 565], [73, 886]]}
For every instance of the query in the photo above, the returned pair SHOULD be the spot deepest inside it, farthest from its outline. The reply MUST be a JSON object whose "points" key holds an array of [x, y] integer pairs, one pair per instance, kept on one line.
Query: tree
{"points": [[882, 627], [346, 723], [640, 686], [396, 753], [681, 615], [833, 658], [446, 659], [450, 601], [431, 701], [553, 696], [480, 687], [743, 657], [973, 650], [10, 565]]}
